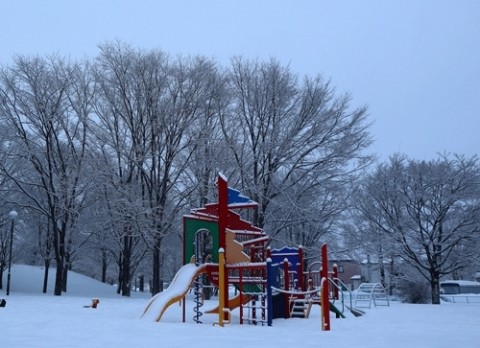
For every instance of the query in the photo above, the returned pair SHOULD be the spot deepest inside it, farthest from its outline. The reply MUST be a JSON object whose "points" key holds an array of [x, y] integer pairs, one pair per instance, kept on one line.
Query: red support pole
{"points": [[286, 277], [222, 212], [324, 303], [325, 291], [222, 225], [324, 271], [222, 270], [335, 280], [301, 278]]}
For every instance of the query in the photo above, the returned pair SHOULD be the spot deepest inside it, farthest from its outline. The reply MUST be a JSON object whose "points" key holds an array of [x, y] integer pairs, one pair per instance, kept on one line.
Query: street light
{"points": [[13, 215]]}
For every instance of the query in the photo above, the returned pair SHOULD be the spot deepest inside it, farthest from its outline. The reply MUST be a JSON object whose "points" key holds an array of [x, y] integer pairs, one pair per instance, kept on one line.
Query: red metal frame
{"points": [[325, 290]]}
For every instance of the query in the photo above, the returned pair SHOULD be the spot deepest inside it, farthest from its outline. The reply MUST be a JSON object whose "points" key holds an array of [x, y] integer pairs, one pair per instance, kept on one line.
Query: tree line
{"points": [[422, 214], [102, 157]]}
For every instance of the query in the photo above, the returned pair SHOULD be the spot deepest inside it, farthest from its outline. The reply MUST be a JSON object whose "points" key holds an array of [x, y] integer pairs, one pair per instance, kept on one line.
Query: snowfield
{"points": [[33, 319]]}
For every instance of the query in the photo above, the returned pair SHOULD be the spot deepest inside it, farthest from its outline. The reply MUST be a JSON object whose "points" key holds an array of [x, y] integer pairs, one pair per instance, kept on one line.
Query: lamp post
{"points": [[13, 215]]}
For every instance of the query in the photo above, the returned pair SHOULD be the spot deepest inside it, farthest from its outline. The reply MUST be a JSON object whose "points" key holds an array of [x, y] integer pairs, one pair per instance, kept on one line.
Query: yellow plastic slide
{"points": [[175, 292]]}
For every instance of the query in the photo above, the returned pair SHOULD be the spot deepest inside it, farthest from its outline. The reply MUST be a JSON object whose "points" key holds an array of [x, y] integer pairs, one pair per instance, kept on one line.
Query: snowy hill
{"points": [[29, 279]]}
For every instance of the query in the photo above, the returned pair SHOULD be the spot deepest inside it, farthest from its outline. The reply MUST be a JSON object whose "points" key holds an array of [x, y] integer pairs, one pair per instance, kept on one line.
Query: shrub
{"points": [[414, 292]]}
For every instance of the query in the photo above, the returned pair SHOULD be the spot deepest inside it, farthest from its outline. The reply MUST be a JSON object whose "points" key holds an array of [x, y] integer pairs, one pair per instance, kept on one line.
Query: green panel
{"points": [[191, 226], [250, 288]]}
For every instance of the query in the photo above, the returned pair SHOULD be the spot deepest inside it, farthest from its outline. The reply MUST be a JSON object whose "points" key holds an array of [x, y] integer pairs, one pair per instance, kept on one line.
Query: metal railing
{"points": [[465, 298]]}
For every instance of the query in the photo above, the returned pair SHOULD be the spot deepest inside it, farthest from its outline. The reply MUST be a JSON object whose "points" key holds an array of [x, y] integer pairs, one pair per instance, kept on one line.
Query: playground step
{"points": [[300, 308]]}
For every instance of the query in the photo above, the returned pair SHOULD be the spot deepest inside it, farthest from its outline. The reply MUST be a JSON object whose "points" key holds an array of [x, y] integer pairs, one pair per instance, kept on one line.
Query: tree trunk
{"points": [[120, 273], [104, 266], [45, 276], [381, 266], [391, 280], [435, 286], [156, 271], [65, 278], [66, 268], [58, 277], [126, 260], [157, 282], [60, 261], [59, 247]]}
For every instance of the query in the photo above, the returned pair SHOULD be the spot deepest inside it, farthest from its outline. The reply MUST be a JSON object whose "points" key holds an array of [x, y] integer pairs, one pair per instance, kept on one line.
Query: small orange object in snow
{"points": [[95, 302]]}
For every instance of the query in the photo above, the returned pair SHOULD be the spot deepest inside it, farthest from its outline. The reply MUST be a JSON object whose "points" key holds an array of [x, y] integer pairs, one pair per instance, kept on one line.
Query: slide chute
{"points": [[178, 288]]}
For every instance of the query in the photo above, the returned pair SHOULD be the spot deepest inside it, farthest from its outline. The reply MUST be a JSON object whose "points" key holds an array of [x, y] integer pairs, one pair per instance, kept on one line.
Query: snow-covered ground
{"points": [[32, 319]]}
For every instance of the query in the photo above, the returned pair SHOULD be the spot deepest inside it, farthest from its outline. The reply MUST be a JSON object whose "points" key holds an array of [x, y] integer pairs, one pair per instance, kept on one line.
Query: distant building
{"points": [[349, 272], [355, 272]]}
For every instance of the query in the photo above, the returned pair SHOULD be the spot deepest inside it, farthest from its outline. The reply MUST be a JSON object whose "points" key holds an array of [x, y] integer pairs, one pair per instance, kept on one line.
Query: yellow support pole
{"points": [[221, 286]]}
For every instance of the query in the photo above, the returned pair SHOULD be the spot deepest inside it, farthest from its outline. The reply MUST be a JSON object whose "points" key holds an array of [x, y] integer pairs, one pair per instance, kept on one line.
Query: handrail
{"points": [[342, 288]]}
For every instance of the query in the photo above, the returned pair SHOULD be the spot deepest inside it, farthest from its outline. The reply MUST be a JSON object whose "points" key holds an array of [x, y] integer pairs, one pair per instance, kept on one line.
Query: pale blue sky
{"points": [[415, 63]]}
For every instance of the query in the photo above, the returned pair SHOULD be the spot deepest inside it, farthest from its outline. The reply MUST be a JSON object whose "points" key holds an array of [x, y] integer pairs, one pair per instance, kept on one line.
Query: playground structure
{"points": [[371, 293], [269, 283]]}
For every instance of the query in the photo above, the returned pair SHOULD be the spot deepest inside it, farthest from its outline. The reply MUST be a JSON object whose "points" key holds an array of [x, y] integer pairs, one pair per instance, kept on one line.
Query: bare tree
{"points": [[47, 104], [122, 140], [147, 106], [307, 213], [208, 149], [4, 238], [163, 129], [5, 196], [296, 147], [363, 240], [191, 94], [429, 208]]}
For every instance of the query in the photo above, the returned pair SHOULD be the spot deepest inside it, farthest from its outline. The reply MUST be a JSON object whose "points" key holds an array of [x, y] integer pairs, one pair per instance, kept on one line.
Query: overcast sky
{"points": [[414, 63]]}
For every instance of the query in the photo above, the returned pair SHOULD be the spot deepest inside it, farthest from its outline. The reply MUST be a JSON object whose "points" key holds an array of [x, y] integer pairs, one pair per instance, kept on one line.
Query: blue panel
{"points": [[291, 254], [235, 197]]}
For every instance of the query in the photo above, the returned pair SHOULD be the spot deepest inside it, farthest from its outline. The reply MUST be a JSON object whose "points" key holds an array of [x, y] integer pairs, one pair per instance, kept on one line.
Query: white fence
{"points": [[463, 298]]}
